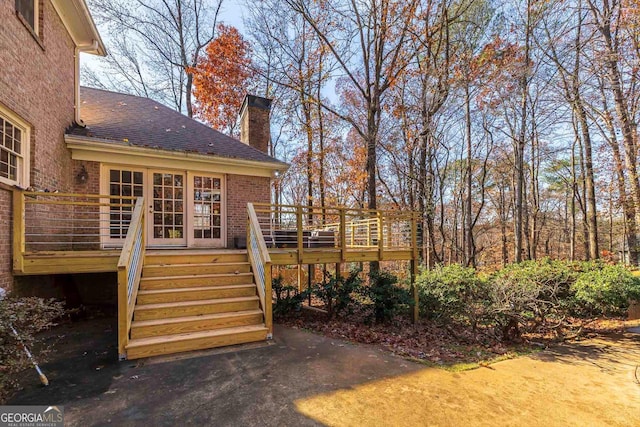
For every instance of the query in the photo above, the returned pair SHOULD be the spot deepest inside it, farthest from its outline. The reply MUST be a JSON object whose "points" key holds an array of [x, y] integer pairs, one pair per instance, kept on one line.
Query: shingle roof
{"points": [[142, 122]]}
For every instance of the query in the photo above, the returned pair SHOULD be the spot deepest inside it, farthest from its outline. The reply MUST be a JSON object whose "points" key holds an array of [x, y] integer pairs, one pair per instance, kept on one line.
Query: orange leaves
{"points": [[221, 79]]}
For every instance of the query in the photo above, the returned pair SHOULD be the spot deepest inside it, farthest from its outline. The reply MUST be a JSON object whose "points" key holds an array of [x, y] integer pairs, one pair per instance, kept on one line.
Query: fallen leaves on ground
{"points": [[434, 343]]}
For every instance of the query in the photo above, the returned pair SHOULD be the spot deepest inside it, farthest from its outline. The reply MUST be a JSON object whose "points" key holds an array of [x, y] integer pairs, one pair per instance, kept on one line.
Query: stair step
{"points": [[188, 257], [194, 280], [154, 296], [168, 344], [194, 308], [171, 269], [186, 324]]}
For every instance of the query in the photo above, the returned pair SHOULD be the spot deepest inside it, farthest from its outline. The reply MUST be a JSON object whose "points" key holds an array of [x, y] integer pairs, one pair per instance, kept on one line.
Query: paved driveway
{"points": [[305, 379]]}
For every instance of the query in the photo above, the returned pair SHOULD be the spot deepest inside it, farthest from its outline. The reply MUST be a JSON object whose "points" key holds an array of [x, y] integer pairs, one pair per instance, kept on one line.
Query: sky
{"points": [[232, 13]]}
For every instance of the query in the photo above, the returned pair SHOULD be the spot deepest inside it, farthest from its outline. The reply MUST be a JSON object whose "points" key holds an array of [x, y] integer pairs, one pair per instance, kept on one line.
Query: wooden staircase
{"points": [[193, 302]]}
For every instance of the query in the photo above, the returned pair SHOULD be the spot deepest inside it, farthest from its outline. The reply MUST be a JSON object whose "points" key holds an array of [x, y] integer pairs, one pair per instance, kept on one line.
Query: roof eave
{"points": [[99, 145], [77, 20]]}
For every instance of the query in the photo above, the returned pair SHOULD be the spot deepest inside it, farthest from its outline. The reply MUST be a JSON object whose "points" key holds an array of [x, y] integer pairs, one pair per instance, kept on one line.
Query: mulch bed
{"points": [[433, 343]]}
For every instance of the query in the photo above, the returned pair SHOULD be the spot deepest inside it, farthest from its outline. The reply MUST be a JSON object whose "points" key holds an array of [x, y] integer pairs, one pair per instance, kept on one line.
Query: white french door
{"points": [[206, 204], [183, 208], [166, 199]]}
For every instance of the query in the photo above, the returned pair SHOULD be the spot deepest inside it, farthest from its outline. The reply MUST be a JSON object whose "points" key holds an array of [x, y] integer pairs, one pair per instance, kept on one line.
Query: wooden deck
{"points": [[61, 234], [68, 262], [105, 261], [179, 299], [291, 256]]}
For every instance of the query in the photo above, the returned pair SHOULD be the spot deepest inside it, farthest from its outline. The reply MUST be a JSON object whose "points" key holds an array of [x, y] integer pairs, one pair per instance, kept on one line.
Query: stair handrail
{"points": [[260, 265], [129, 274]]}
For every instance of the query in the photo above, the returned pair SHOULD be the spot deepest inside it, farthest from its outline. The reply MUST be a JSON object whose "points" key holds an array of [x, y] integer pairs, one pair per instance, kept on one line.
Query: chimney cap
{"points": [[256, 101]]}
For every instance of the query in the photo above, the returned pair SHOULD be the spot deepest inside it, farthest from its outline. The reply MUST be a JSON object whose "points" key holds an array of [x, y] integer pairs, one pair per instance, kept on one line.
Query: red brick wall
{"points": [[92, 184], [5, 239], [241, 190], [255, 128], [87, 231], [36, 83]]}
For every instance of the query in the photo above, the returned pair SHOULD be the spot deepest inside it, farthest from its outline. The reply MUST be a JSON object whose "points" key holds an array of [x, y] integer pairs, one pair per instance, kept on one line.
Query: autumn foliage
{"points": [[221, 79]]}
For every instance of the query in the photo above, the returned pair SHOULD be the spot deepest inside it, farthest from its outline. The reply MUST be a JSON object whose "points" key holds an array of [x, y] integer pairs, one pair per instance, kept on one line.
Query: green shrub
{"points": [[288, 298], [387, 298], [607, 290], [453, 292], [338, 293], [528, 294], [28, 316]]}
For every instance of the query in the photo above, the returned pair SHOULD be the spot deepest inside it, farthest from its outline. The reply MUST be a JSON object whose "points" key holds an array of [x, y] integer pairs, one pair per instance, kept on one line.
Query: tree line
{"points": [[511, 127]]}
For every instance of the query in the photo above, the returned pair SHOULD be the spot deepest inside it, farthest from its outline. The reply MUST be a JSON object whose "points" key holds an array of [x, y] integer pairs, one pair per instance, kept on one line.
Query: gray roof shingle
{"points": [[143, 122]]}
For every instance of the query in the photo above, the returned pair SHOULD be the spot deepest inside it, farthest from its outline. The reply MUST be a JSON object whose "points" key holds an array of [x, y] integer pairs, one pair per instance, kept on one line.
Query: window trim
{"points": [[24, 161], [36, 18]]}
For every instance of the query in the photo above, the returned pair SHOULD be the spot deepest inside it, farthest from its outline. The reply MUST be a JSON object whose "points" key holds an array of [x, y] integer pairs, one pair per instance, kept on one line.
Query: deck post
{"points": [[268, 300], [414, 266], [380, 236], [300, 277], [18, 230], [300, 233], [414, 290], [343, 235], [123, 305]]}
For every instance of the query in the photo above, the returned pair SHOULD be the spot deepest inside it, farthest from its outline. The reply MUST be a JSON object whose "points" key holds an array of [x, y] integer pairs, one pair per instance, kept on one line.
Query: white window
{"points": [[14, 150], [28, 9]]}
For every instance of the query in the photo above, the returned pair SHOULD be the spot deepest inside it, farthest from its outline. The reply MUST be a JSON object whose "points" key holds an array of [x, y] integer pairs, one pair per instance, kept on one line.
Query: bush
{"points": [[288, 298], [607, 290], [386, 297], [28, 316], [338, 293], [453, 292], [527, 294]]}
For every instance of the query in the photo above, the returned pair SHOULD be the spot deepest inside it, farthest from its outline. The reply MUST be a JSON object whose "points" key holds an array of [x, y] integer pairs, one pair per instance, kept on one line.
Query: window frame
{"points": [[36, 16], [23, 160]]}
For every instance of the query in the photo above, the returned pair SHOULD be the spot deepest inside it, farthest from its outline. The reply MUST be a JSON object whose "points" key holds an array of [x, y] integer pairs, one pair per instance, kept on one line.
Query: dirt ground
{"points": [[591, 383], [307, 379]]}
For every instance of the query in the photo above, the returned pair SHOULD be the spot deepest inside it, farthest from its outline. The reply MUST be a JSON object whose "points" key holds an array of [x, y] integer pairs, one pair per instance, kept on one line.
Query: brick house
{"points": [[58, 137], [36, 104], [197, 181], [122, 199]]}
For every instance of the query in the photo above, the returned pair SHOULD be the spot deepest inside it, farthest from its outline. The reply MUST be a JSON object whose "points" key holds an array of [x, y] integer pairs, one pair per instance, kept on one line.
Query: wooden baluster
{"points": [[353, 234], [300, 240]]}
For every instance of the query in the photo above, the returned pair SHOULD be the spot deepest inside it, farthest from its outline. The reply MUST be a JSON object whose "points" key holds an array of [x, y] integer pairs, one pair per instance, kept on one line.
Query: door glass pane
{"points": [[207, 212], [121, 184], [168, 193]]}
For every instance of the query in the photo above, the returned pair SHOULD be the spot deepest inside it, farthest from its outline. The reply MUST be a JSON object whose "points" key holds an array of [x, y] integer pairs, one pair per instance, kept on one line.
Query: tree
{"points": [[609, 21], [221, 79], [155, 43], [368, 44]]}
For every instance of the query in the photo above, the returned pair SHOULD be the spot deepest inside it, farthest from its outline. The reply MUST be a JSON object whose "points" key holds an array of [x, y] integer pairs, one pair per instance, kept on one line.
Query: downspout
{"points": [[80, 48]]}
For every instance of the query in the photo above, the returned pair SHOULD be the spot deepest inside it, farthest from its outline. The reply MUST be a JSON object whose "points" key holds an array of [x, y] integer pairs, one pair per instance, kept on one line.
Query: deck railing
{"points": [[129, 273], [261, 265], [343, 229], [69, 221], [321, 235]]}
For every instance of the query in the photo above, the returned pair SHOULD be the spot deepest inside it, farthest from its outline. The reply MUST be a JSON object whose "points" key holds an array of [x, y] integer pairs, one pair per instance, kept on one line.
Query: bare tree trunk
{"points": [[469, 244], [574, 189], [520, 142], [603, 15]]}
